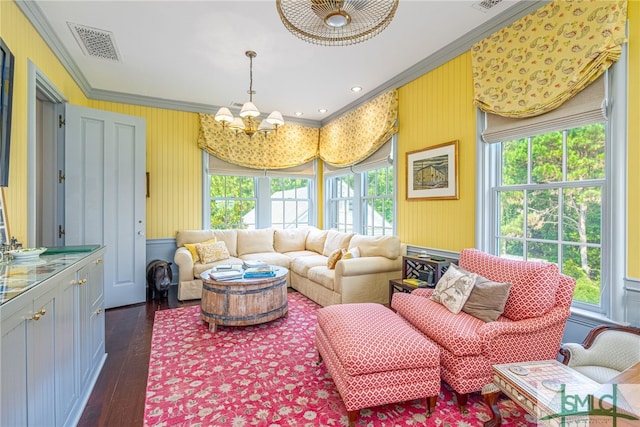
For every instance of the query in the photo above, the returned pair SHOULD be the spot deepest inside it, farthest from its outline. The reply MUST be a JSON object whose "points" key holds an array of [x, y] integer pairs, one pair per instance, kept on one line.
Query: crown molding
{"points": [[447, 53], [34, 14]]}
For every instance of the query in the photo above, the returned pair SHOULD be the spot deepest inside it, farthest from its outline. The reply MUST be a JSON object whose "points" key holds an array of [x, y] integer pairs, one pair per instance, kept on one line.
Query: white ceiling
{"points": [[191, 53]]}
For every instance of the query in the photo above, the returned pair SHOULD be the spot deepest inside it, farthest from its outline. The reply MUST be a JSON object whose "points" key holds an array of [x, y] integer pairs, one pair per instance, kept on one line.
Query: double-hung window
{"points": [[547, 192], [248, 198], [361, 198]]}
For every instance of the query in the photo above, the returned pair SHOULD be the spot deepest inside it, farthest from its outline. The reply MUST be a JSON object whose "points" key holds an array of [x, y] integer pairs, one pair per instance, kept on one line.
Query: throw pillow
{"points": [[191, 247], [212, 252], [351, 253], [333, 259], [453, 288], [487, 299]]}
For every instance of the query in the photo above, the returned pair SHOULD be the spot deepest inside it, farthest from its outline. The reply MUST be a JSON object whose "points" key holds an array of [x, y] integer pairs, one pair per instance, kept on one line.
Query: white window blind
{"points": [[220, 167], [379, 159], [588, 106]]}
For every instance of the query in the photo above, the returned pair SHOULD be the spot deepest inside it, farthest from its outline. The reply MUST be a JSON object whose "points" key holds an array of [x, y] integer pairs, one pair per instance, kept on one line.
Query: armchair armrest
{"points": [[367, 265], [575, 354], [184, 261]]}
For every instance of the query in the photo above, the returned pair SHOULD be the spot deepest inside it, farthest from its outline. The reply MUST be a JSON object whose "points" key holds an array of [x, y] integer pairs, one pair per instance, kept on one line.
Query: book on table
{"points": [[226, 275], [259, 272], [254, 263], [228, 267]]}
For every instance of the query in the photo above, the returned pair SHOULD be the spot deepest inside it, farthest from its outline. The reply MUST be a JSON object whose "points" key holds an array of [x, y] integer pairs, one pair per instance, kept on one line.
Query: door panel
{"points": [[105, 196]]}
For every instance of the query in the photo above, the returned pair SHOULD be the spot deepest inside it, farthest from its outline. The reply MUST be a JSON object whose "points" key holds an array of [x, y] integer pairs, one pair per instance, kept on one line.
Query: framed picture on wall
{"points": [[432, 173]]}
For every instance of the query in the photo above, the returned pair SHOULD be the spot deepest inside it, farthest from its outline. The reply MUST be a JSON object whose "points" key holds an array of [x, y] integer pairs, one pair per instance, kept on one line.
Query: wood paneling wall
{"points": [[434, 109], [633, 144]]}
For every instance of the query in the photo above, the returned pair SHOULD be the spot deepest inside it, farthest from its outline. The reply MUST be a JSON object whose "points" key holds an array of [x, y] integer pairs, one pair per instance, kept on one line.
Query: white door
{"points": [[105, 192]]}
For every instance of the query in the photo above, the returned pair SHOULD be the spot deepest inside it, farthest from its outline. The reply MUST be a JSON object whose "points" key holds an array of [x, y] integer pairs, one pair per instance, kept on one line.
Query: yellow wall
{"points": [[26, 44], [434, 109], [174, 163]]}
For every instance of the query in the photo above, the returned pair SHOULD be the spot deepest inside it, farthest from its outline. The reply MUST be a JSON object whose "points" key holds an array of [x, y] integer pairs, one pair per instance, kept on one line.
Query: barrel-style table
{"points": [[243, 302]]}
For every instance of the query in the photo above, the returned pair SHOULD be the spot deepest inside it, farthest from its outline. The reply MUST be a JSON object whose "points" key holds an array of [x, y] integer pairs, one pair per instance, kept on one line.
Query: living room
{"points": [[433, 109]]}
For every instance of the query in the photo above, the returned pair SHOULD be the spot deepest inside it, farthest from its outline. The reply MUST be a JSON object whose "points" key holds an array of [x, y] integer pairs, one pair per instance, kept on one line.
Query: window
{"points": [[361, 198], [233, 200], [249, 198], [549, 203]]}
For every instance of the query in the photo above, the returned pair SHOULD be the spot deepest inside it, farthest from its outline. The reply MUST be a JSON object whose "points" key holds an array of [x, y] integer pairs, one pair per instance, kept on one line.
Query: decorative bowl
{"points": [[27, 253]]}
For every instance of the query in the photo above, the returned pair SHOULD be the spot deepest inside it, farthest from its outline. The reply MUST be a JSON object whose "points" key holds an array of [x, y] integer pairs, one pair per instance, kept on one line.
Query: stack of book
{"points": [[227, 267], [255, 263], [230, 274], [259, 272]]}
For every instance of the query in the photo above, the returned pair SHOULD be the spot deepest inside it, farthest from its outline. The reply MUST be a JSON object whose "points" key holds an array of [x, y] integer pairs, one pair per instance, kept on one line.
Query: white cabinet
{"points": [[53, 346]]}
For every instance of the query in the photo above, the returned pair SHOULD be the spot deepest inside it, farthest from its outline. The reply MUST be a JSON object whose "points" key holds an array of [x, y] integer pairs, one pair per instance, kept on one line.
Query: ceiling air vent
{"points": [[485, 5], [95, 42]]}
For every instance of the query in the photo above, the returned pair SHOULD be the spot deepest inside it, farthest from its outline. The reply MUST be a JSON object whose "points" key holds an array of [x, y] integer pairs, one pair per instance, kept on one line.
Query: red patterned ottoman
{"points": [[375, 357]]}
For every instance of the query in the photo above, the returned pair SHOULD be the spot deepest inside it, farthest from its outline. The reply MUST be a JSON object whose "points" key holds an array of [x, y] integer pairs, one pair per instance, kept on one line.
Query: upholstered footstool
{"points": [[375, 357]]}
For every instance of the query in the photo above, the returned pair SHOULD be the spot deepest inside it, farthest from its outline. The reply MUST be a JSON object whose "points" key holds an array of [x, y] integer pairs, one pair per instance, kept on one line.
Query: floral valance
{"points": [[542, 60], [292, 145], [359, 133]]}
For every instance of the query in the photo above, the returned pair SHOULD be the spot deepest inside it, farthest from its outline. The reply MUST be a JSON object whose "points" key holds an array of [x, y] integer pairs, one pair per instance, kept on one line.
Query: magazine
{"points": [[226, 275], [255, 263]]}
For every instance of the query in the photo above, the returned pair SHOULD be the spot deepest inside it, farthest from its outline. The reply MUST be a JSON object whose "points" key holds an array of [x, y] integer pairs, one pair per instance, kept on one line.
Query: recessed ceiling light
{"points": [[356, 89], [298, 113], [322, 110]]}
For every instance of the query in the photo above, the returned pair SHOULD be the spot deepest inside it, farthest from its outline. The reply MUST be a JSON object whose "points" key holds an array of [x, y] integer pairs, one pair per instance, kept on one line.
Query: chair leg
{"points": [[353, 416], [431, 405], [462, 402]]}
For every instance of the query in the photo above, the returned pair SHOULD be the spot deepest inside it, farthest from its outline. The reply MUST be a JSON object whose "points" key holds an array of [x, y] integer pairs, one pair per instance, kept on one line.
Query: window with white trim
{"points": [[361, 198]]}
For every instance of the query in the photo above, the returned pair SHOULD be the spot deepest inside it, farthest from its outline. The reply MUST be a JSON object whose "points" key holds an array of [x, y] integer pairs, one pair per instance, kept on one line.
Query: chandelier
{"points": [[336, 22], [246, 122]]}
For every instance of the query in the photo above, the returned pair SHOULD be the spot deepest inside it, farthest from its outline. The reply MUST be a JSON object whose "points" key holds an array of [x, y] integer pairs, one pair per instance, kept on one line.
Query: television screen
{"points": [[6, 95]]}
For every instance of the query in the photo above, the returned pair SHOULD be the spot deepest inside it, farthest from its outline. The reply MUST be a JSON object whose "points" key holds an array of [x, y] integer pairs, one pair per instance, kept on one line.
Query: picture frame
{"points": [[6, 101], [432, 172]]}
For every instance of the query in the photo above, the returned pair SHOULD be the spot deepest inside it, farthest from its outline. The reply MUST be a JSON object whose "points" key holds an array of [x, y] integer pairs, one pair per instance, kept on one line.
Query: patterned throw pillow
{"points": [[191, 247], [351, 253], [453, 288], [333, 259], [212, 252]]}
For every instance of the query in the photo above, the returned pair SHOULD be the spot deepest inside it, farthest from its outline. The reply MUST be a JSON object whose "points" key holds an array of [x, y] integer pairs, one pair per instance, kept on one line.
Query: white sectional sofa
{"points": [[305, 252]]}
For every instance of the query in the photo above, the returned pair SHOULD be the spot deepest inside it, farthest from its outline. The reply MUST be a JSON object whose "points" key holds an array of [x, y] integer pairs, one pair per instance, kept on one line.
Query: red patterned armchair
{"points": [[536, 308]]}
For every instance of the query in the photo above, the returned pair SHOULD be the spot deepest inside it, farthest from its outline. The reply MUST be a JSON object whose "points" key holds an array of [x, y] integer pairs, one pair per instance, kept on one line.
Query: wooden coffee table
{"points": [[243, 302], [535, 386]]}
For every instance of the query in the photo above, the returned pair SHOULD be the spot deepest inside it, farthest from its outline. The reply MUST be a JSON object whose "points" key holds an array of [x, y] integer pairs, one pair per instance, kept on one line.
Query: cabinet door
{"points": [[41, 333], [14, 368], [95, 282], [65, 356]]}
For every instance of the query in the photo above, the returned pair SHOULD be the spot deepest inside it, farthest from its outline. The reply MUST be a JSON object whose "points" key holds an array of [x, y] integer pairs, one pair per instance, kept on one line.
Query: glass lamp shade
{"points": [[224, 115], [249, 110], [275, 118]]}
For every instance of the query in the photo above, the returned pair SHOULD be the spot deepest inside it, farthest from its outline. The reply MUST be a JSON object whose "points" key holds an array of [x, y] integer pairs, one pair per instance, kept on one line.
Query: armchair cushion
{"points": [[487, 299], [453, 288]]}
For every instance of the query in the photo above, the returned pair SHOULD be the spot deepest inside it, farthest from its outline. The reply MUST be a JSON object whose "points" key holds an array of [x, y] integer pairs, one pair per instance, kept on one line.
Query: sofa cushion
{"points": [[210, 252], [534, 284], [336, 240], [230, 238], [334, 258], [322, 275], [386, 246], [302, 265], [453, 288], [290, 239], [271, 258], [193, 250], [315, 240], [351, 253], [487, 299], [193, 236], [253, 241]]}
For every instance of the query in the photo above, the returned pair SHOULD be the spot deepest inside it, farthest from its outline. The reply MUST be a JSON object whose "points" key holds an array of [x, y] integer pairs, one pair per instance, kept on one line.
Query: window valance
{"points": [[544, 59], [359, 133], [292, 145]]}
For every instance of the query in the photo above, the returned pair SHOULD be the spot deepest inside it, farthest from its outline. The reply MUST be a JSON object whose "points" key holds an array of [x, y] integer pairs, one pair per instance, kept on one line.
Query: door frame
{"points": [[37, 82]]}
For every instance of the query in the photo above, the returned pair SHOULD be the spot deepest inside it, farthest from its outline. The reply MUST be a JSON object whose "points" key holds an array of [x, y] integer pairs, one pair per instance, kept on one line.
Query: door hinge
{"points": [[60, 232], [61, 121], [60, 176]]}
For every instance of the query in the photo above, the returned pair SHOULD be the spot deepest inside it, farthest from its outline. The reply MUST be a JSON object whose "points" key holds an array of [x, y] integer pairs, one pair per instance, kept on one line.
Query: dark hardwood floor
{"points": [[119, 394]]}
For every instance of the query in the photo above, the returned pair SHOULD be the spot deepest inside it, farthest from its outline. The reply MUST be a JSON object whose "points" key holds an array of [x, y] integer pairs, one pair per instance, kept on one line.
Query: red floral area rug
{"points": [[268, 375]]}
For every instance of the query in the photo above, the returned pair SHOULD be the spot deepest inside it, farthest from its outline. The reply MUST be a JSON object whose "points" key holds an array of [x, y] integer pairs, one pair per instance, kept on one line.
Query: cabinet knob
{"points": [[82, 281], [99, 311], [36, 316], [43, 311], [99, 261]]}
